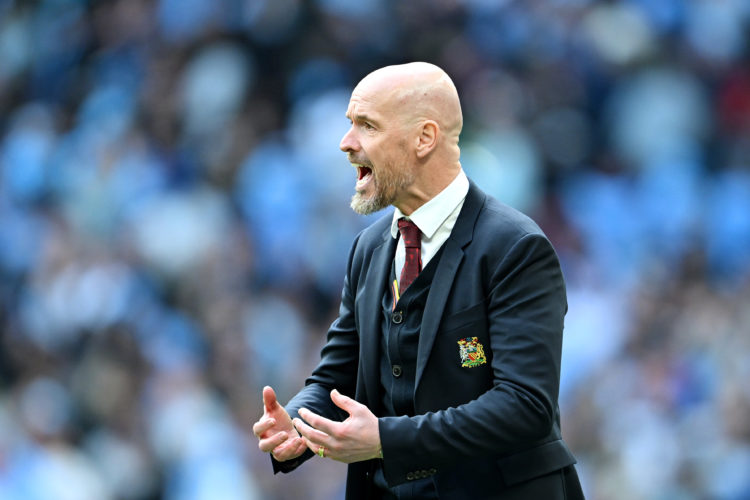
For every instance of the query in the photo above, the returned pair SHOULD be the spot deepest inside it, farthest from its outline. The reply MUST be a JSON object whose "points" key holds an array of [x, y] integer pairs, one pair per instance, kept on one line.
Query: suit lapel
{"points": [[371, 312], [445, 273]]}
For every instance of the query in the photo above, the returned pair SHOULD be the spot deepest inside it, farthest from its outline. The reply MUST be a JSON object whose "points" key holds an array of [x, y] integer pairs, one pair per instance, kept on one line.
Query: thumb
{"points": [[344, 402], [269, 398]]}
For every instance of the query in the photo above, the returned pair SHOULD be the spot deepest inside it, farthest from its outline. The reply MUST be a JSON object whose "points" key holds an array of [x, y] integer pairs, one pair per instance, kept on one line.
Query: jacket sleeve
{"points": [[526, 306], [337, 368]]}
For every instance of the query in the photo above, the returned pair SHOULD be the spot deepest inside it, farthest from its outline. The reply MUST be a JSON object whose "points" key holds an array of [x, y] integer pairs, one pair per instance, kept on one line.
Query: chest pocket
{"points": [[466, 319]]}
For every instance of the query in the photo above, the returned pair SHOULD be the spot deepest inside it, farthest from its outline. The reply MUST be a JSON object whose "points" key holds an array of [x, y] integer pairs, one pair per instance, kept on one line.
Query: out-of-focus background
{"points": [[174, 225]]}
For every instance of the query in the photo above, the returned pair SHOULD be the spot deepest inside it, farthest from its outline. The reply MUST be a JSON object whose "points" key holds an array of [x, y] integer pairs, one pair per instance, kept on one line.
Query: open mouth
{"points": [[363, 172], [364, 176]]}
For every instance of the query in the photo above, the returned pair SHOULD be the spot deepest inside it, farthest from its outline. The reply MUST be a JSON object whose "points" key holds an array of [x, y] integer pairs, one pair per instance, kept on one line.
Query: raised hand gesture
{"points": [[275, 431]]}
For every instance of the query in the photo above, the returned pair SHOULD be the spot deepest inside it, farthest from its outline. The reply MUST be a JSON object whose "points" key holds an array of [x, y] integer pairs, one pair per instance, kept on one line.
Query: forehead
{"points": [[371, 99]]}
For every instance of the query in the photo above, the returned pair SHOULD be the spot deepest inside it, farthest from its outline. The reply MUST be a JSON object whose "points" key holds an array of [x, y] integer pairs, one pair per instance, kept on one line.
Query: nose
{"points": [[349, 143]]}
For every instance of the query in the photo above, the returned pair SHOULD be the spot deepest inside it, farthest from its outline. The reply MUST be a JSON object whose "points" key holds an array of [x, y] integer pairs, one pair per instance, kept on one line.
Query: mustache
{"points": [[354, 159]]}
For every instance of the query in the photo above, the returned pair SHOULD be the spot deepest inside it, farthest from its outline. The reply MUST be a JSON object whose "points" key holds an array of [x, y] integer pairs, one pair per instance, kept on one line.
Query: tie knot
{"points": [[410, 233]]}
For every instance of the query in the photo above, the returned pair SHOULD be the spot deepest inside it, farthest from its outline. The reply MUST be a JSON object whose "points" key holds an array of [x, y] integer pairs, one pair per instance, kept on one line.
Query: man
{"points": [[440, 376]]}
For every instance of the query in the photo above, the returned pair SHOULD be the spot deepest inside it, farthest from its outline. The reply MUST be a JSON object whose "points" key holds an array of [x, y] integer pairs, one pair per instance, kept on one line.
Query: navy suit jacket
{"points": [[486, 431]]}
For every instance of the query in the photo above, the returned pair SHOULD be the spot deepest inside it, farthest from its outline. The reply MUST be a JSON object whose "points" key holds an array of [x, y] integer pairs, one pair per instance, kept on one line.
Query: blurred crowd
{"points": [[174, 225]]}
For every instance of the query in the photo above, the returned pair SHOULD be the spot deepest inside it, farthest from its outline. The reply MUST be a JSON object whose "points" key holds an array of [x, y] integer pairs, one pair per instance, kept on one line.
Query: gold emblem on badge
{"points": [[472, 352]]}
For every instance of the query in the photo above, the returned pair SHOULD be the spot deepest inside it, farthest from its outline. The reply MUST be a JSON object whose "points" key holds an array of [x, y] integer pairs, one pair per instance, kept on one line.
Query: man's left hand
{"points": [[355, 439]]}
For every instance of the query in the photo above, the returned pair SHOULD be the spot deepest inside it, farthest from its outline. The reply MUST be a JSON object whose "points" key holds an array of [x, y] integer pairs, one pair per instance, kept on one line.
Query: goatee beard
{"points": [[364, 206], [386, 189]]}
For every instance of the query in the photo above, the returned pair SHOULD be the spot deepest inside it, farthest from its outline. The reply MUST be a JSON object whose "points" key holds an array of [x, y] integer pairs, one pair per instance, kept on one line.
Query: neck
{"points": [[426, 188]]}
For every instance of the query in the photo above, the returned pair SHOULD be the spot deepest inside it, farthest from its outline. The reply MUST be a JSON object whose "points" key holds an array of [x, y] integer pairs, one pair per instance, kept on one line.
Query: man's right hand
{"points": [[275, 431]]}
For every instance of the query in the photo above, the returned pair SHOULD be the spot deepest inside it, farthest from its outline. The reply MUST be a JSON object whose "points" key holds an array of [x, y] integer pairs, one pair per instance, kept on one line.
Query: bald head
{"points": [[403, 140], [418, 91]]}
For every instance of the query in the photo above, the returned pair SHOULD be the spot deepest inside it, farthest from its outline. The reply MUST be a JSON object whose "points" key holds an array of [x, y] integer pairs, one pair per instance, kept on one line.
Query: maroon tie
{"points": [[413, 263]]}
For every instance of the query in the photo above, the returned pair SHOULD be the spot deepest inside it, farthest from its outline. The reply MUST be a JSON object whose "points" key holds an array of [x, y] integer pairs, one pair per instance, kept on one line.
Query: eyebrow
{"points": [[362, 117]]}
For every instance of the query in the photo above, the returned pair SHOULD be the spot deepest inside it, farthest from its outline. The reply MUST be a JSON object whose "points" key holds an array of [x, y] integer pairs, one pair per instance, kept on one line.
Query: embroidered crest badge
{"points": [[472, 352]]}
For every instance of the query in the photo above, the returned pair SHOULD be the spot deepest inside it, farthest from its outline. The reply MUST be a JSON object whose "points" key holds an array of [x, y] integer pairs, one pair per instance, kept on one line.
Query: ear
{"points": [[427, 138]]}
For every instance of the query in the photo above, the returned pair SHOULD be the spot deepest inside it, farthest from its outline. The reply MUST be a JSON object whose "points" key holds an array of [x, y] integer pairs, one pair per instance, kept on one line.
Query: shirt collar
{"points": [[430, 216]]}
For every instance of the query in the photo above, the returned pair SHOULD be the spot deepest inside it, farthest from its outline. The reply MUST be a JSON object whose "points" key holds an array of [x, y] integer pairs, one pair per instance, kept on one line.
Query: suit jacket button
{"points": [[410, 476], [397, 317], [396, 371]]}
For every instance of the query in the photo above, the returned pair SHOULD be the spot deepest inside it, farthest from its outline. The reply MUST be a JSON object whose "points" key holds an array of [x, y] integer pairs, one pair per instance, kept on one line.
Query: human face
{"points": [[376, 146]]}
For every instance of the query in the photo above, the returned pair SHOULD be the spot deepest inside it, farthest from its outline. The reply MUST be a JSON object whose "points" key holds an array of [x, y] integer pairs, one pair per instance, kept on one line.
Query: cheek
{"points": [[385, 153], [374, 152], [403, 147]]}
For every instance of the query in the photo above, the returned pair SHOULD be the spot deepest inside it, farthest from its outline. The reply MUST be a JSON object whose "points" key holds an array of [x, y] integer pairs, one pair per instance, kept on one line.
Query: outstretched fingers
{"points": [[269, 399], [346, 403], [274, 430], [268, 444], [262, 426], [313, 438], [291, 448], [318, 423], [309, 432]]}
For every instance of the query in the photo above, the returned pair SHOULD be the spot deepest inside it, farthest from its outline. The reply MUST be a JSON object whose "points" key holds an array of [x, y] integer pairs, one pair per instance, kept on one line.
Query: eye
{"points": [[368, 126]]}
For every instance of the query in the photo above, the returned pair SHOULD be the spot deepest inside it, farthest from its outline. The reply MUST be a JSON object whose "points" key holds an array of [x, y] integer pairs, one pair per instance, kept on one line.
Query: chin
{"points": [[365, 206]]}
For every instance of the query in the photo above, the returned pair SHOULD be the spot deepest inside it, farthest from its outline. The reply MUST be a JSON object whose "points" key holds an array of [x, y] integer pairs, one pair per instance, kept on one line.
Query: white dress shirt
{"points": [[435, 220]]}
